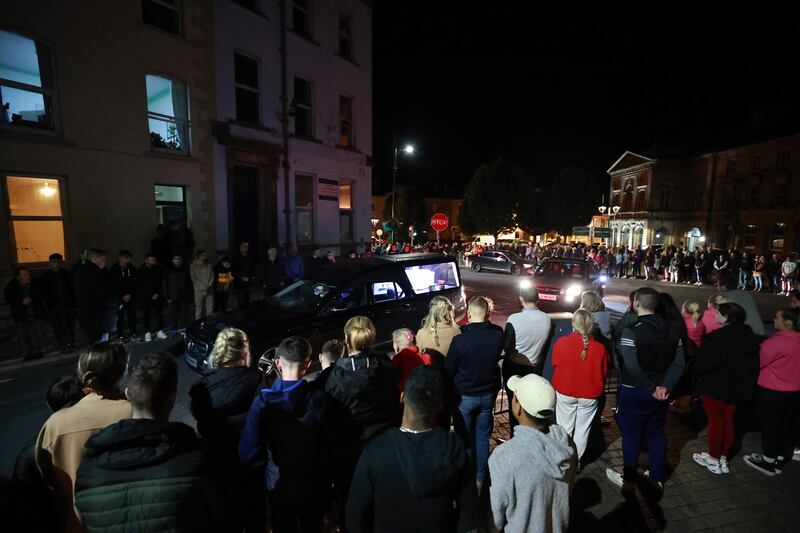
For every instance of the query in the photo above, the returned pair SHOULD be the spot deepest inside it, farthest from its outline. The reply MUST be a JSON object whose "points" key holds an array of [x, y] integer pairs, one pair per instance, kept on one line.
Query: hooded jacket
{"points": [[651, 354], [726, 364], [413, 482], [532, 475], [143, 475]]}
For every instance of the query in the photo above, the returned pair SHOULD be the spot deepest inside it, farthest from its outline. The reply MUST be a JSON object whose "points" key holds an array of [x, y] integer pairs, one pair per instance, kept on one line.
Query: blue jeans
{"points": [[640, 414], [476, 412], [743, 279]]}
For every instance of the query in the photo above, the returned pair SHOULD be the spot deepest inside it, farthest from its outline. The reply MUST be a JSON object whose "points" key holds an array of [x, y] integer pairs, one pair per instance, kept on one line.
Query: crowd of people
{"points": [[353, 439]]}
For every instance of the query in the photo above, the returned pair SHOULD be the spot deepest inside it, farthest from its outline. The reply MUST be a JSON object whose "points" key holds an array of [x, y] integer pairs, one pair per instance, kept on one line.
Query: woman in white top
{"points": [[591, 301]]}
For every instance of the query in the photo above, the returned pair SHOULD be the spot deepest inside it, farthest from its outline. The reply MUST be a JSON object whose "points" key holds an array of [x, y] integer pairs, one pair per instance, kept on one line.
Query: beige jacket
{"points": [[60, 446], [439, 342]]}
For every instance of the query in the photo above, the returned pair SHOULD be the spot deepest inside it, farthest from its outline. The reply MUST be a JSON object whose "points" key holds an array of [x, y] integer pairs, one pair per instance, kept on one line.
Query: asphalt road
{"points": [[22, 388]]}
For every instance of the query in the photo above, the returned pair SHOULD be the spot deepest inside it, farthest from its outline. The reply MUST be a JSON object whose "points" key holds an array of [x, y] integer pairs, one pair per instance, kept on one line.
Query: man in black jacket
{"points": [[651, 364], [416, 477], [27, 308], [59, 296], [178, 290], [150, 293], [244, 274], [145, 468], [123, 281], [93, 292]]}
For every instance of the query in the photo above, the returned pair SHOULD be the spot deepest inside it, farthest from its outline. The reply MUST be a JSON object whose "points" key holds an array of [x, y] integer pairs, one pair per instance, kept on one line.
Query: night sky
{"points": [[548, 91]]}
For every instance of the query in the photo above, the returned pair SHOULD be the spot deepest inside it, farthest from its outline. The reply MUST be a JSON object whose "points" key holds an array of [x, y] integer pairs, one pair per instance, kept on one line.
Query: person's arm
{"points": [[252, 444], [676, 369], [498, 495], [361, 501], [509, 338], [630, 358], [468, 503], [766, 354], [194, 274]]}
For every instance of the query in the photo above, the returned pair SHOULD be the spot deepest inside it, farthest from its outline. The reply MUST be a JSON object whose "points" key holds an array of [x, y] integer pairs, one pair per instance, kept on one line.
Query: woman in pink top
{"points": [[710, 316], [695, 328], [778, 393]]}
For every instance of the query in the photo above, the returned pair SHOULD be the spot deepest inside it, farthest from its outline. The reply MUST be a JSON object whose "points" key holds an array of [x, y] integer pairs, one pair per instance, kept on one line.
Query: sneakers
{"points": [[161, 334], [780, 462], [796, 455], [757, 461], [615, 477], [148, 337], [723, 466], [703, 459]]}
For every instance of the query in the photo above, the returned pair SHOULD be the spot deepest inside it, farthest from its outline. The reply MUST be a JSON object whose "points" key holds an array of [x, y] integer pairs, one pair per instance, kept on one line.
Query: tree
{"points": [[572, 200], [409, 210], [498, 198]]}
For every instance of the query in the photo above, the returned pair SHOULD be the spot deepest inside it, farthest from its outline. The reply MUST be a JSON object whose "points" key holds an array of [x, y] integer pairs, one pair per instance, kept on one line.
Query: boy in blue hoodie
{"points": [[284, 428]]}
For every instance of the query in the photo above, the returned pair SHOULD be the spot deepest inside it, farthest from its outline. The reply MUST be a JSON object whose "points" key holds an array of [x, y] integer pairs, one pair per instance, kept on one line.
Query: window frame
{"points": [[309, 33], [400, 293], [177, 8], [256, 90], [6, 197], [349, 121], [308, 107], [784, 159], [347, 35], [747, 235], [664, 199], [51, 93], [730, 168], [186, 149], [755, 163], [305, 209], [349, 212]]}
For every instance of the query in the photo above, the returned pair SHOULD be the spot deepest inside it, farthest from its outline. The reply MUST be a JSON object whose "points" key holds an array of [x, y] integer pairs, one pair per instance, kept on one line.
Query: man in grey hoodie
{"points": [[202, 275], [532, 474]]}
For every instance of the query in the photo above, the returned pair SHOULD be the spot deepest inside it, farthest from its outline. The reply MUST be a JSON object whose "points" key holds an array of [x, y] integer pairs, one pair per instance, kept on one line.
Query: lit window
{"points": [[750, 236], [345, 212], [26, 82], [164, 14], [247, 98], [345, 121], [777, 237], [301, 17], [345, 36], [304, 206], [168, 114], [302, 108], [37, 223]]}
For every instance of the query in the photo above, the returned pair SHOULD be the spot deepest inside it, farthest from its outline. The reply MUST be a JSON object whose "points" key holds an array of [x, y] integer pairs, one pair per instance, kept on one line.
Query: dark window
{"points": [[26, 82], [302, 108], [784, 159], [731, 167], [750, 235], [753, 192], [345, 211], [640, 200], [164, 14], [780, 194], [304, 205], [345, 121], [755, 163], [247, 97], [664, 199], [346, 36], [301, 17]]}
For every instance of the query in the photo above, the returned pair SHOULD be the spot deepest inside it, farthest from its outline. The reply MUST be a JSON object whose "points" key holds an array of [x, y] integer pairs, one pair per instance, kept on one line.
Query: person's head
{"points": [[440, 313], [153, 386], [244, 247], [631, 298], [64, 392], [124, 257], [97, 256], [150, 260], [528, 295], [591, 301], [795, 303], [583, 323], [359, 334], [731, 314], [231, 348], [691, 308], [715, 300], [645, 301], [534, 401], [23, 275], [422, 396], [787, 319], [201, 256], [727, 283], [226, 261], [315, 252], [479, 309], [402, 338], [293, 357], [101, 367], [332, 350], [56, 262], [330, 255], [272, 253], [177, 260]]}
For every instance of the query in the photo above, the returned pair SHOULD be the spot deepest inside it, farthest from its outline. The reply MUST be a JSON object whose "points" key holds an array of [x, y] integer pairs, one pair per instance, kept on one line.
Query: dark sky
{"points": [[550, 90]]}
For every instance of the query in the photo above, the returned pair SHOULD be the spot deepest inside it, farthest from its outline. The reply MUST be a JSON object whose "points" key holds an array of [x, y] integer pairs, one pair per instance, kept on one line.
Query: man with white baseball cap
{"points": [[531, 474]]}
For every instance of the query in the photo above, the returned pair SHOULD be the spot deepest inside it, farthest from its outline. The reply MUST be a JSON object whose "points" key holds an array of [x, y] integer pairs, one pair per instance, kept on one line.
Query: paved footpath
{"points": [[694, 499]]}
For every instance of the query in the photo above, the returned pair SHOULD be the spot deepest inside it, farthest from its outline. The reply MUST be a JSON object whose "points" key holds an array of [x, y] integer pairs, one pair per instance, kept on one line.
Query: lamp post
{"points": [[614, 211], [408, 149], [602, 210]]}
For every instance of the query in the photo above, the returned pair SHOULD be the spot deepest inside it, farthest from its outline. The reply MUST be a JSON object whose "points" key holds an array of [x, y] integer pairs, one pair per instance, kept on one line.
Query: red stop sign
{"points": [[440, 222]]}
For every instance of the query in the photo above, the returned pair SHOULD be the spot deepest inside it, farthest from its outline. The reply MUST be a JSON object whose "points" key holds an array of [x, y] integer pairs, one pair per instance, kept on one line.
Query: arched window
{"points": [[27, 88]]}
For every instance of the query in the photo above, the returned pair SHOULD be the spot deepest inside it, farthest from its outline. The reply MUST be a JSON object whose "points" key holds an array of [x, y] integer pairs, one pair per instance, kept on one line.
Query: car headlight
{"points": [[527, 265], [524, 284], [603, 279], [574, 290]]}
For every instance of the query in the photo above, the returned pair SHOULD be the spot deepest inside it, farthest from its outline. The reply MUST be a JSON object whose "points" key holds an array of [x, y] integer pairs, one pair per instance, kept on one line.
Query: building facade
{"points": [[101, 140], [293, 131], [744, 198]]}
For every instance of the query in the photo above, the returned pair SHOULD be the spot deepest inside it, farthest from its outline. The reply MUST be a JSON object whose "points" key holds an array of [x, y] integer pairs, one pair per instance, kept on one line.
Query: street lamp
{"points": [[613, 212], [407, 149]]}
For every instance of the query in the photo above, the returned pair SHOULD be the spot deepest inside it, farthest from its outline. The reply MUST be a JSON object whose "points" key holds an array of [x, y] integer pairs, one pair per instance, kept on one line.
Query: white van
{"points": [[483, 240]]}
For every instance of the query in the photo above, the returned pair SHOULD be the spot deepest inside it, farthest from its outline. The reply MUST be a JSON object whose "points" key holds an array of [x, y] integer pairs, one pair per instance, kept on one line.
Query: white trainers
{"points": [[723, 466], [796, 455], [148, 337], [703, 459], [614, 477], [161, 334]]}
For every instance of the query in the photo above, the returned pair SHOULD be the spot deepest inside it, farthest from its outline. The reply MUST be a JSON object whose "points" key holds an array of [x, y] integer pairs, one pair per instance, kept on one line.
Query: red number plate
{"points": [[549, 297]]}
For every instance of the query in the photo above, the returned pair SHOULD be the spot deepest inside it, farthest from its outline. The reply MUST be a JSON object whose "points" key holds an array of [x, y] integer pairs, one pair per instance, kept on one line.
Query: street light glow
{"points": [[409, 149]]}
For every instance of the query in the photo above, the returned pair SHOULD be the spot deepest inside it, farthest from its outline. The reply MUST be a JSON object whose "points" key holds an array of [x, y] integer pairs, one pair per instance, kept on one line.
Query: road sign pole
{"points": [[437, 237]]}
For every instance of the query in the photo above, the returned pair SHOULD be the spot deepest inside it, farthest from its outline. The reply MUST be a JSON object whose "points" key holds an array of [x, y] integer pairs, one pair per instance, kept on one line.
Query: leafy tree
{"points": [[409, 210], [498, 198], [572, 200]]}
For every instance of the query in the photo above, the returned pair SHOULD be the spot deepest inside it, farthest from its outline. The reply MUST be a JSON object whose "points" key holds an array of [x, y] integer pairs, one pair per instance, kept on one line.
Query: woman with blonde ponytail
{"points": [[580, 367], [438, 327]]}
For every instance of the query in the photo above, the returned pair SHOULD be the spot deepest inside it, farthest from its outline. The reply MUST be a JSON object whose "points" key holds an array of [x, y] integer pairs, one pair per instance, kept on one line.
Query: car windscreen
{"points": [[434, 277], [302, 295], [558, 269]]}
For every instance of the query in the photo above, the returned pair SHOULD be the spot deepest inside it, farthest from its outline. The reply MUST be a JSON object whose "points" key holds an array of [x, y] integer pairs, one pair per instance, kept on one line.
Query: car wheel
{"points": [[476, 267], [515, 270]]}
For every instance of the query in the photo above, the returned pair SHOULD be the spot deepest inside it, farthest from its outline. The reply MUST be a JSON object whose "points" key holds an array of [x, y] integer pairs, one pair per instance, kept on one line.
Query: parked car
{"points": [[495, 261], [562, 281], [394, 291]]}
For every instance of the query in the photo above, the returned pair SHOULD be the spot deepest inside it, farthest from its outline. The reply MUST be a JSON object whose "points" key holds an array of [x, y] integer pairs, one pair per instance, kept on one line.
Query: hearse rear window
{"points": [[432, 278]]}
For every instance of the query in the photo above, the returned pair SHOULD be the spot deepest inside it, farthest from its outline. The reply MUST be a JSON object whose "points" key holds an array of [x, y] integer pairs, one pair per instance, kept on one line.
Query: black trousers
{"points": [[514, 369], [126, 309], [180, 310], [157, 307], [777, 410], [63, 323]]}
